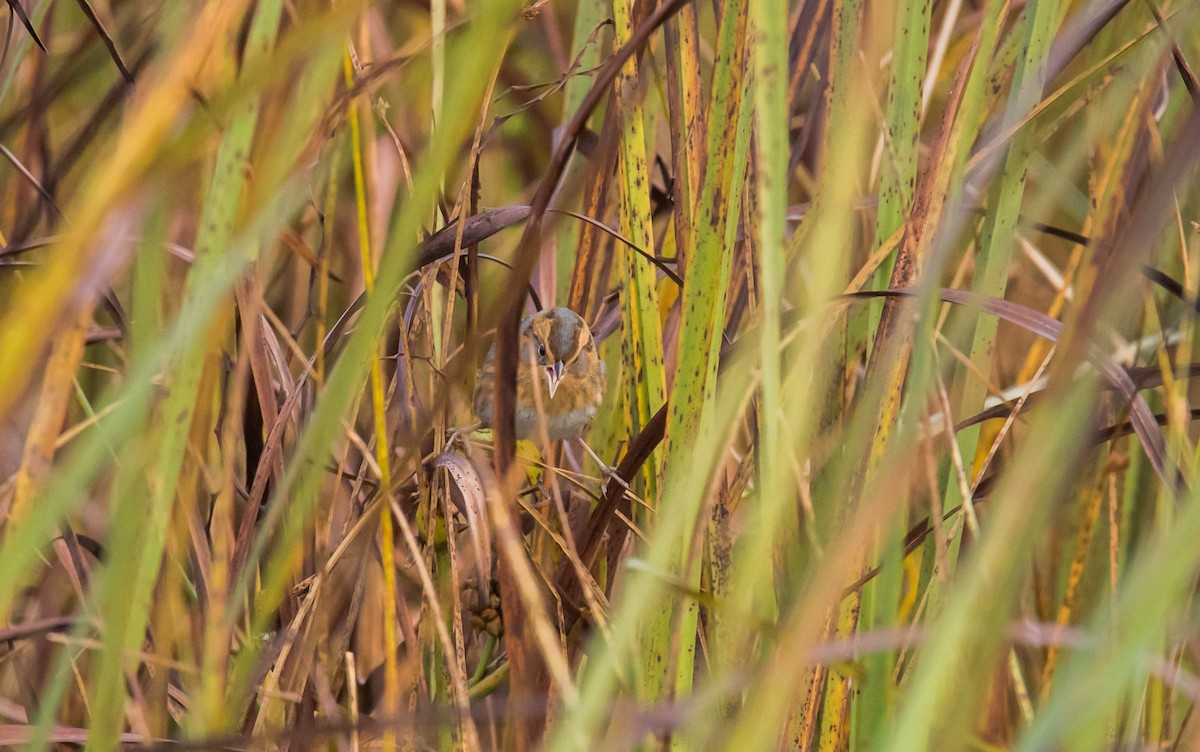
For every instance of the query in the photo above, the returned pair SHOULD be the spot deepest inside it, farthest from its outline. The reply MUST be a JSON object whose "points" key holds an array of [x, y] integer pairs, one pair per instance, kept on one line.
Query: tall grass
{"points": [[897, 302]]}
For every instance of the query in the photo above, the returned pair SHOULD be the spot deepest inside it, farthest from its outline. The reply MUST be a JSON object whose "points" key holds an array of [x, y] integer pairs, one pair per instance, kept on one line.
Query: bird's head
{"points": [[552, 342]]}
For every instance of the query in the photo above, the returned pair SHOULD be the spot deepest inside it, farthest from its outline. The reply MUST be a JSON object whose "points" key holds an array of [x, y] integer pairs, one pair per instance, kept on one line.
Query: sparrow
{"points": [[559, 364]]}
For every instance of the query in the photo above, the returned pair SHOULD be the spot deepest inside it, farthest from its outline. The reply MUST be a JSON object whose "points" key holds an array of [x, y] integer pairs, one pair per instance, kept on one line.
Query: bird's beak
{"points": [[553, 376]]}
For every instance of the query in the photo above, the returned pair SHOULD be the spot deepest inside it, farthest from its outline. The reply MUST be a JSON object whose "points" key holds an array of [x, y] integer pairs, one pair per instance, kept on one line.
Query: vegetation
{"points": [[897, 301]]}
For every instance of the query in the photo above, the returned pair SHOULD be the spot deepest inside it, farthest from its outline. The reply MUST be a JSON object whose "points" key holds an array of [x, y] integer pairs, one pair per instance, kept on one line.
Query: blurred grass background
{"points": [[252, 252]]}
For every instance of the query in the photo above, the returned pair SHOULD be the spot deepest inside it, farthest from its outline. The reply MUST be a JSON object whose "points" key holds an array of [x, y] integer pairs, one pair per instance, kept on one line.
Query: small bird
{"points": [[559, 361]]}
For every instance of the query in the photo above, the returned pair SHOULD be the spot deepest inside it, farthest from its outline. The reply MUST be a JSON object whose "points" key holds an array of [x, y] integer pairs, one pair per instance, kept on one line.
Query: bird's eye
{"points": [[541, 351]]}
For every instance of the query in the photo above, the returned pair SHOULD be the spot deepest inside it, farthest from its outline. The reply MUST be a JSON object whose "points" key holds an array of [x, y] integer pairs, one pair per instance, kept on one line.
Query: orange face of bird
{"points": [[541, 358]]}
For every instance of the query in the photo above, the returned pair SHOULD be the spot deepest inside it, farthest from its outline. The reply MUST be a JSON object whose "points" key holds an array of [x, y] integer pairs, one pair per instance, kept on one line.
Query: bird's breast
{"points": [[568, 415], [559, 425]]}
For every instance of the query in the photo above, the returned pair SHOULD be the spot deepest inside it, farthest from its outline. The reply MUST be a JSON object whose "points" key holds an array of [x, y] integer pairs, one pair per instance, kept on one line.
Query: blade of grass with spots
{"points": [[644, 382], [709, 250], [897, 188]]}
